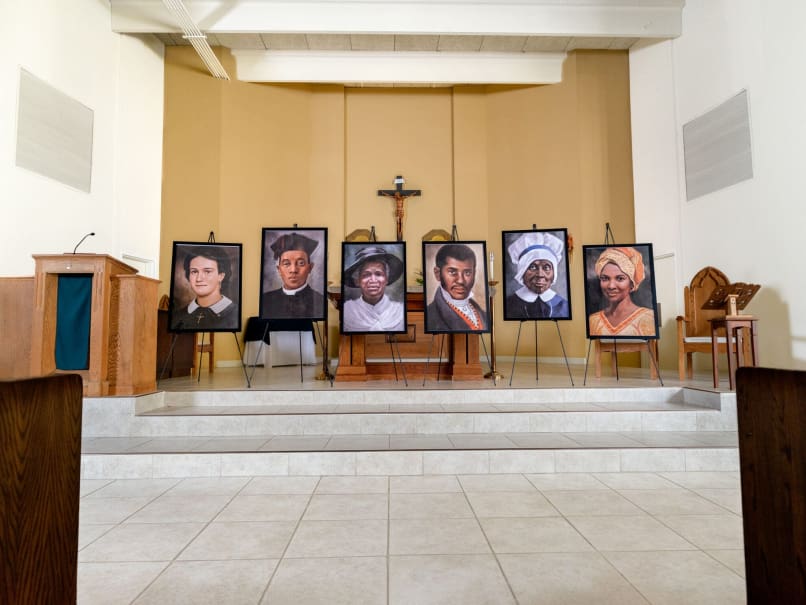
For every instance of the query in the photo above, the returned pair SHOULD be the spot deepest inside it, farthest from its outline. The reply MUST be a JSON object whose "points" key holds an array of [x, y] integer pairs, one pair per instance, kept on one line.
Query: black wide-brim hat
{"points": [[376, 254]]}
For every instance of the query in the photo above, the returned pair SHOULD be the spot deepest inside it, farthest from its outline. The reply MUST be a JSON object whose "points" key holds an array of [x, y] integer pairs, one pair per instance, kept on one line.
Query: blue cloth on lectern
{"points": [[73, 306]]}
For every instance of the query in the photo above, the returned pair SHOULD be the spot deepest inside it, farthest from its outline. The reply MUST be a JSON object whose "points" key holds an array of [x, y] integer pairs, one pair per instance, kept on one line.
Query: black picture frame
{"points": [[526, 294], [219, 262], [642, 323], [387, 316], [278, 244], [440, 317]]}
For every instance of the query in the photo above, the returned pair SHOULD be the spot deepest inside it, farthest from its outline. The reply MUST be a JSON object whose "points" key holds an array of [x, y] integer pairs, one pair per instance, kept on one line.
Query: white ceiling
{"points": [[402, 42]]}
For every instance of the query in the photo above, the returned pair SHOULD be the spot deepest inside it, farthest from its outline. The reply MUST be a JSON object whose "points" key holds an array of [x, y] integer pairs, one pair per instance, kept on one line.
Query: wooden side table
{"points": [[735, 326]]}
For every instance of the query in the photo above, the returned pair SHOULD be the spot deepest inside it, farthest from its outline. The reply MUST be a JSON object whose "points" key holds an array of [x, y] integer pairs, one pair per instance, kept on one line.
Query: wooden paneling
{"points": [[40, 463], [133, 330], [772, 448], [16, 296]]}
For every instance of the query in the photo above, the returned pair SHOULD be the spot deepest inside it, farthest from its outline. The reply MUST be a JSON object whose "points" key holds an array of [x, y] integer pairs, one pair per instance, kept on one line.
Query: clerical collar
{"points": [[526, 294], [292, 292], [460, 303], [215, 308]]}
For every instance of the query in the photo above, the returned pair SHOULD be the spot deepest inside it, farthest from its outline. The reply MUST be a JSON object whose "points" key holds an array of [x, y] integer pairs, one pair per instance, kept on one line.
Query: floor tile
{"points": [[708, 531], [89, 532], [180, 509], [429, 506], [677, 577], [511, 504], [436, 536], [732, 559], [363, 538], [533, 534], [602, 440], [634, 481], [168, 445], [336, 581], [628, 532], [353, 485], [209, 486], [90, 486], [420, 442], [280, 485], [267, 507], [135, 488], [495, 483], [109, 510], [349, 443], [337, 507], [553, 482], [672, 502], [424, 484], [730, 499], [695, 480], [114, 583], [301, 443], [541, 440], [209, 582], [480, 442], [232, 444], [568, 578], [592, 503], [448, 580], [141, 542], [243, 540]]}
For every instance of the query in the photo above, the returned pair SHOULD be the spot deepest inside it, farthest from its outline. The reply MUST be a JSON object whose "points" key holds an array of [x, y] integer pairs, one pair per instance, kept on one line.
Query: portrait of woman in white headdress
{"points": [[536, 275]]}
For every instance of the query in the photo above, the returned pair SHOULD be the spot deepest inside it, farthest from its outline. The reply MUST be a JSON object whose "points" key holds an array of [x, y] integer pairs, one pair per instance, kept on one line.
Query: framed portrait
{"points": [[205, 287], [373, 287], [293, 273], [620, 299], [536, 277], [455, 287]]}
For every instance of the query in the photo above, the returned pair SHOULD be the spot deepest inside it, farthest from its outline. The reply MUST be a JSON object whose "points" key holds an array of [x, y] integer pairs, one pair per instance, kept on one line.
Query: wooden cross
{"points": [[400, 195]]}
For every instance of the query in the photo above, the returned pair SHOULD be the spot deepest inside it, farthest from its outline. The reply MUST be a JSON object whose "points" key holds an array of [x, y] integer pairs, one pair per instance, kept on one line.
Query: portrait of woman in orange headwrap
{"points": [[620, 271]]}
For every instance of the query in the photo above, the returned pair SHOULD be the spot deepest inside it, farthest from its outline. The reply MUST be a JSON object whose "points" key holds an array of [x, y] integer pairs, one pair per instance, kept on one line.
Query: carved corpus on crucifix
{"points": [[400, 195]]}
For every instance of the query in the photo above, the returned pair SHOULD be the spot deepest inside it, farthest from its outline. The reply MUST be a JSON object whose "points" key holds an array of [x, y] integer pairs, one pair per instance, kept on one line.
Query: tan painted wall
{"points": [[241, 156]]}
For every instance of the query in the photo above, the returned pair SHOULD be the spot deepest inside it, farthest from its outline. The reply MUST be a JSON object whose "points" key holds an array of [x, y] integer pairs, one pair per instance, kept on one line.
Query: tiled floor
{"points": [[620, 538], [453, 441]]}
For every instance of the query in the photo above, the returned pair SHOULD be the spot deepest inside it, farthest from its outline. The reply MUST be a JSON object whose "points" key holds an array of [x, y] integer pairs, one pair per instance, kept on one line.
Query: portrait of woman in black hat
{"points": [[373, 288]]}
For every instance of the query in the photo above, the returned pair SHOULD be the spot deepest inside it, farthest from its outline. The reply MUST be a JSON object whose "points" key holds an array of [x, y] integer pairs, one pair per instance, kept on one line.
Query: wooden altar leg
{"points": [[464, 357]]}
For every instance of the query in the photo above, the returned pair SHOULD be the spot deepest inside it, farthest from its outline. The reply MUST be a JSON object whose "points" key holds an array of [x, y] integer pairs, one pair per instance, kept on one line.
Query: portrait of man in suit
{"points": [[455, 287]]}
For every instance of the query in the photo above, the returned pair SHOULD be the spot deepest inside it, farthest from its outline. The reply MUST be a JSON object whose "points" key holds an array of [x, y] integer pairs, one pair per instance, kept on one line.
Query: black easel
{"points": [[518, 339], [610, 240]]}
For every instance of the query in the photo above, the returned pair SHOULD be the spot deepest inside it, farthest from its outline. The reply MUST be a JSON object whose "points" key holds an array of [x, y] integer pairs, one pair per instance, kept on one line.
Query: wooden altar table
{"points": [[365, 357]]}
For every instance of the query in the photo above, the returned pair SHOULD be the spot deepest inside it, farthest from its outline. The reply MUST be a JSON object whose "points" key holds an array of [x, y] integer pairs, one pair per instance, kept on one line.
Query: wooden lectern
{"points": [[741, 350], [123, 323]]}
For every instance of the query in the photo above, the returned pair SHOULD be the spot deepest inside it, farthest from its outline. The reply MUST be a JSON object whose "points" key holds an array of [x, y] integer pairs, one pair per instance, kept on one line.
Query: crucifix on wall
{"points": [[400, 195]]}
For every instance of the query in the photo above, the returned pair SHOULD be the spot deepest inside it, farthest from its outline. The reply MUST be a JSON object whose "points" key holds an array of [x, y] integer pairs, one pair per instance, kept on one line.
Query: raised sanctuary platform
{"points": [[216, 427]]}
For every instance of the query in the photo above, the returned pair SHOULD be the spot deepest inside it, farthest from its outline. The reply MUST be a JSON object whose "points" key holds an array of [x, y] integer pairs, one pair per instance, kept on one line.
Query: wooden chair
{"points": [[208, 347], [694, 328], [621, 346]]}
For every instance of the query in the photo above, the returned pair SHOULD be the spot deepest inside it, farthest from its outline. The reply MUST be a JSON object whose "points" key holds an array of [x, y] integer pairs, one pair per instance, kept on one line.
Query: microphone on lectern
{"points": [[81, 240]]}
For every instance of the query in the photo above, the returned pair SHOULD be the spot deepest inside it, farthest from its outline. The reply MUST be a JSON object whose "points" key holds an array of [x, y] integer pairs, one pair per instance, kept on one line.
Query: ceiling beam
{"points": [[420, 68], [580, 18]]}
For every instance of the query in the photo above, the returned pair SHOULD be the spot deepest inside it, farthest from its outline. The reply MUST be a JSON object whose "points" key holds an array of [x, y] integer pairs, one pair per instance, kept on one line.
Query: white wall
{"points": [[70, 45], [752, 230]]}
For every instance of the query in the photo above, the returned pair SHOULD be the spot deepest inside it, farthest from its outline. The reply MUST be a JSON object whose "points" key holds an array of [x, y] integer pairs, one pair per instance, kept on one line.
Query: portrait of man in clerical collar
{"points": [[373, 288], [205, 287], [536, 278], [455, 287], [293, 274]]}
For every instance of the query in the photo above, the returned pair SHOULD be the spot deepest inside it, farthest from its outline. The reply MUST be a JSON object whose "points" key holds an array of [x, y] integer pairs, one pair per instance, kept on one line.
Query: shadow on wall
{"points": [[777, 343]]}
